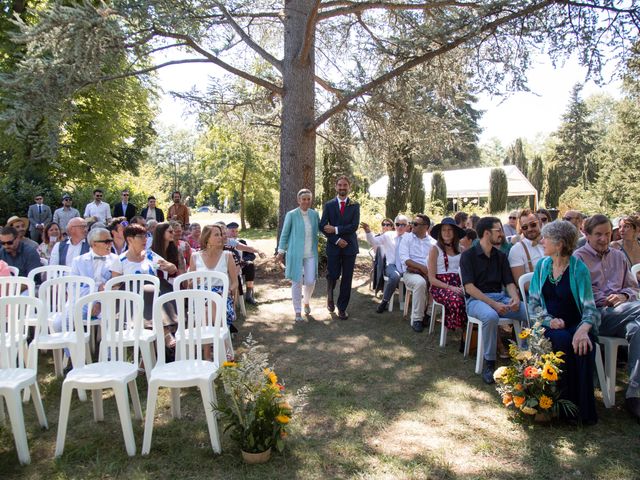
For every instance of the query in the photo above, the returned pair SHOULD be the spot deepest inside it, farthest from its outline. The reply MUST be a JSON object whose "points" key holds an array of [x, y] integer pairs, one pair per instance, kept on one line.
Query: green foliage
{"points": [[577, 198], [399, 169], [260, 211], [416, 191], [438, 191], [515, 156], [498, 190], [553, 192], [536, 177], [336, 156]]}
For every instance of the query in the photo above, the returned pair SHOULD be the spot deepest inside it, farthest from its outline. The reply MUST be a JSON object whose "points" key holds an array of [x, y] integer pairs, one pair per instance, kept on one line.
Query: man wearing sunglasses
{"points": [[98, 208], [16, 253], [124, 208], [62, 215], [524, 255], [388, 242], [510, 228], [97, 262]]}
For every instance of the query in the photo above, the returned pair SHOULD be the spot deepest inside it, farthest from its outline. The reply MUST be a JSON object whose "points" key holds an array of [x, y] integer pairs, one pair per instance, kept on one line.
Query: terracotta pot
{"points": [[255, 458], [542, 417]]}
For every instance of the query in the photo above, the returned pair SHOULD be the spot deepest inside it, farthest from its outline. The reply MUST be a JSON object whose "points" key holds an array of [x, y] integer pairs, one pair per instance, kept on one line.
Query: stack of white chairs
{"points": [[121, 313], [14, 377]]}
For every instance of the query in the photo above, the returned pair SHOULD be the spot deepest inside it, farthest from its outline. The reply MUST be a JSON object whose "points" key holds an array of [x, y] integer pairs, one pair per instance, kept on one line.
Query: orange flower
{"points": [[518, 386], [507, 399], [531, 372], [283, 419], [545, 402], [518, 401]]}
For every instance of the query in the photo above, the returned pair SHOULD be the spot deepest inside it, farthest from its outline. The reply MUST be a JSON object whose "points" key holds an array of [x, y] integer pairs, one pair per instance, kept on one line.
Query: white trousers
{"points": [[418, 286], [302, 291]]}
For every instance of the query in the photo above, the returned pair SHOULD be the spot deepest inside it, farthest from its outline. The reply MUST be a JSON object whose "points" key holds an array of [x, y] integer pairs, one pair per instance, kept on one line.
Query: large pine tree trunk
{"points": [[297, 144]]}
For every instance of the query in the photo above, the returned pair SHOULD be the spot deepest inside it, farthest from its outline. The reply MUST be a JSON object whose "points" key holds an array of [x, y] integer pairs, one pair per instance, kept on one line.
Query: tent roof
{"points": [[468, 182]]}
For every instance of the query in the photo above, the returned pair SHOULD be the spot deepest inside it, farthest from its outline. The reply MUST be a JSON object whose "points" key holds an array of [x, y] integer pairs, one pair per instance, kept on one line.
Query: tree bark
{"points": [[243, 185], [297, 142]]}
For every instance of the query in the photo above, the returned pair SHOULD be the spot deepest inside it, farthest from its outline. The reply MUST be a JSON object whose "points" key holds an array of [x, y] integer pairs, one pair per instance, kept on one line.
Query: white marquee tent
{"points": [[468, 183]]}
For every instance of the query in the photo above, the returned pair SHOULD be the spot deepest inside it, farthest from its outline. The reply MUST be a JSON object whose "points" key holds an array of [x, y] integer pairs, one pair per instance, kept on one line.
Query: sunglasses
{"points": [[513, 218], [417, 224], [401, 224], [527, 226], [387, 224], [125, 194], [106, 240], [98, 196], [9, 242]]}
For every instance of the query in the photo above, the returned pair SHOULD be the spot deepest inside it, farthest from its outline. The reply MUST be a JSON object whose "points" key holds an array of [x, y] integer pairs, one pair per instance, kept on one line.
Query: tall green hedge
{"points": [[498, 190]]}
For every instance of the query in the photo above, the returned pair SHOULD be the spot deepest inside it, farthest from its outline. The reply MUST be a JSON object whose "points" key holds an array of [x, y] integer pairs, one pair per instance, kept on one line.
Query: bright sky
{"points": [[519, 115]]}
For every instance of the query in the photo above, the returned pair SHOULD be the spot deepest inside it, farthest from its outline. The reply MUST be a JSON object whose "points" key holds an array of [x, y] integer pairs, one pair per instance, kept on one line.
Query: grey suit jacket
{"points": [[36, 218]]}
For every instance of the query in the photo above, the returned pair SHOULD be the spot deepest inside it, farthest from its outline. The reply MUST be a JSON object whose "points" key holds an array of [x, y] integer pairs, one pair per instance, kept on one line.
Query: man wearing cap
{"points": [[62, 215], [248, 256], [64, 252], [39, 215], [124, 208], [17, 253], [98, 208], [21, 224]]}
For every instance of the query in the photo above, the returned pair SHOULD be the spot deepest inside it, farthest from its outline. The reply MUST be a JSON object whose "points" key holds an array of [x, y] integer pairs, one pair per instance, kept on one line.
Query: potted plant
{"points": [[529, 384], [254, 408]]}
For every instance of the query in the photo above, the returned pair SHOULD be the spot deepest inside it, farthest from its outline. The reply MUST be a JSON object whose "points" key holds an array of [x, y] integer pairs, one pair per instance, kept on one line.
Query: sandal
{"points": [[169, 339]]}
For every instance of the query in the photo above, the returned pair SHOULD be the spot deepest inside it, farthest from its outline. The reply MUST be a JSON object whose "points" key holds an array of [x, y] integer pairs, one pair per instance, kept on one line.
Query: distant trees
{"points": [[416, 191], [515, 156], [438, 189], [498, 190]]}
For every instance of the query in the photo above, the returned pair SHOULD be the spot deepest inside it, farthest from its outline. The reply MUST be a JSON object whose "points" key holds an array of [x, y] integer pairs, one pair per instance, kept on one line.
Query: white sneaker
{"points": [[299, 318]]}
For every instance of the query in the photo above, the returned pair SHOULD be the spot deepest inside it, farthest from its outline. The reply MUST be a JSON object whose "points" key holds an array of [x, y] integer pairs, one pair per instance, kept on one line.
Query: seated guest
{"points": [[387, 225], [616, 295], [461, 219], [50, 236], [387, 242], [299, 241], [213, 257], [443, 267], [183, 246], [151, 228], [560, 296], [17, 253], [577, 219], [248, 256], [473, 221], [97, 263], [21, 224], [165, 246], [467, 241], [137, 219], [544, 216], [64, 252], [524, 255], [511, 227], [413, 252], [194, 236], [116, 227], [62, 215], [628, 243], [124, 208], [137, 260], [485, 272], [151, 212]]}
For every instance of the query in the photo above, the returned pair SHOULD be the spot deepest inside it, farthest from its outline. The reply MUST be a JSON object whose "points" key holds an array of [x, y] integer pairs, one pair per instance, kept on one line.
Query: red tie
{"points": [[342, 204]]}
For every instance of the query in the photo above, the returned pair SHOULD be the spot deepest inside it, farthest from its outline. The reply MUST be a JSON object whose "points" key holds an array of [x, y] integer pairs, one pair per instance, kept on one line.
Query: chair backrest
{"points": [[523, 281], [47, 272], [59, 295], [195, 310], [136, 283], [14, 271], [205, 280], [635, 269], [13, 286], [14, 312], [119, 311]]}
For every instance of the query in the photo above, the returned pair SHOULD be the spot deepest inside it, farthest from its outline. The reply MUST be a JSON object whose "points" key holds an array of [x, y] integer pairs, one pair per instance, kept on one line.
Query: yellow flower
{"points": [[559, 354], [524, 333], [524, 355], [518, 401], [229, 364], [283, 419], [549, 373], [500, 373], [273, 378], [285, 405], [545, 402], [528, 410], [513, 350]]}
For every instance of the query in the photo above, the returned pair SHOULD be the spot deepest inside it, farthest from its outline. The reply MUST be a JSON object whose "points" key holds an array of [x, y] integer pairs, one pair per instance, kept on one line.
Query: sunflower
{"points": [[524, 333], [229, 364], [549, 373], [271, 375]]}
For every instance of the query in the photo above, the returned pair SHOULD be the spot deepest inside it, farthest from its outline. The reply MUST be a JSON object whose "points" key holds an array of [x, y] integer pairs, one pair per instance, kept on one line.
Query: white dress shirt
{"points": [[388, 241], [415, 249], [72, 252], [94, 266], [518, 257], [99, 210]]}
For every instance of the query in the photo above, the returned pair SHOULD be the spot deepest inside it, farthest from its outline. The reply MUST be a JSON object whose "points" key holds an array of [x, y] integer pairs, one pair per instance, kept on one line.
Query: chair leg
{"points": [[407, 304], [175, 403], [37, 403], [145, 350], [443, 333], [32, 363], [432, 322], [401, 296], [390, 307], [2, 414], [610, 359], [602, 379], [63, 418], [480, 355], [82, 394], [124, 411], [57, 362], [517, 328], [467, 340], [16, 416], [135, 400], [209, 399], [98, 410], [152, 397]]}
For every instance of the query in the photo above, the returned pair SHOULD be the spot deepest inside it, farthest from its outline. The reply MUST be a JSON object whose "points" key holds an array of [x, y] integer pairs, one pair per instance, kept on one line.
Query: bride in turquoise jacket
{"points": [[299, 241]]}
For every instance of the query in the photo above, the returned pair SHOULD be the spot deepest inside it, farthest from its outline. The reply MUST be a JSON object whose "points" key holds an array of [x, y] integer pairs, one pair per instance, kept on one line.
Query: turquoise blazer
{"points": [[292, 241]]}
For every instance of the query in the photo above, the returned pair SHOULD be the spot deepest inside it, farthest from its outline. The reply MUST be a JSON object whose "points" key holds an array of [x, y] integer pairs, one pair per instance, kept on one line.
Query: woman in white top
{"points": [[50, 236], [443, 265], [213, 257]]}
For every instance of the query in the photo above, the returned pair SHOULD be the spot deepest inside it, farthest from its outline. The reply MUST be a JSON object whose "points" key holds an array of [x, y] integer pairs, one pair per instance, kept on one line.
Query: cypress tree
{"points": [[439, 189], [498, 190], [416, 191]]}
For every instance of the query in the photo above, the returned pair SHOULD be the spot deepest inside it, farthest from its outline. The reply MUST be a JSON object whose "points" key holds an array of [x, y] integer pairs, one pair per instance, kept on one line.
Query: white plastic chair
{"points": [[634, 272], [137, 283], [112, 370], [15, 272], [523, 281], [610, 345], [443, 328], [206, 280], [189, 368], [47, 272], [14, 286], [13, 376], [398, 292]]}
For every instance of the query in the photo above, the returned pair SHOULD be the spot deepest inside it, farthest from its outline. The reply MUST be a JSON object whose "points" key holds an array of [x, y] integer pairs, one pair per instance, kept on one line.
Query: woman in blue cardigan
{"points": [[561, 298], [299, 241]]}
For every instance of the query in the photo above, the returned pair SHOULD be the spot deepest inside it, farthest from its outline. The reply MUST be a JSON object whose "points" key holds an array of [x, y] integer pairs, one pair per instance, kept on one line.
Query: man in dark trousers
{"points": [[339, 223], [124, 208]]}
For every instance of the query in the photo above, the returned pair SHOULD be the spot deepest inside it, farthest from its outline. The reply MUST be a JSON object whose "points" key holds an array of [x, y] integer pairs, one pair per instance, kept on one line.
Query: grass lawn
{"points": [[385, 402]]}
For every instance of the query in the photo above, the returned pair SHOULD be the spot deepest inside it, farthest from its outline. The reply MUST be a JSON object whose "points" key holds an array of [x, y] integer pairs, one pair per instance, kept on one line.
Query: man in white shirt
{"points": [[98, 208], [414, 252], [524, 255], [97, 262], [388, 242], [64, 252]]}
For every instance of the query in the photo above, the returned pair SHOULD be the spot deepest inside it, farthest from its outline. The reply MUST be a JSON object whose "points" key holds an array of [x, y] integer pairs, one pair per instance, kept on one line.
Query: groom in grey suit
{"points": [[39, 216]]}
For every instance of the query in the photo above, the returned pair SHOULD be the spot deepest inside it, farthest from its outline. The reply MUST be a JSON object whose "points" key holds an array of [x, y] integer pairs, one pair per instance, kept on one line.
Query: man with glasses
{"points": [[414, 252], [97, 262], [16, 253], [388, 242], [39, 215], [64, 252], [124, 208], [98, 209], [485, 274], [524, 255], [21, 224], [62, 215]]}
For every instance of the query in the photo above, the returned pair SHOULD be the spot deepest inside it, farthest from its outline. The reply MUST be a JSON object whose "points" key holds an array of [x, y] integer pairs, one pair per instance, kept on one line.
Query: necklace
{"points": [[556, 280]]}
